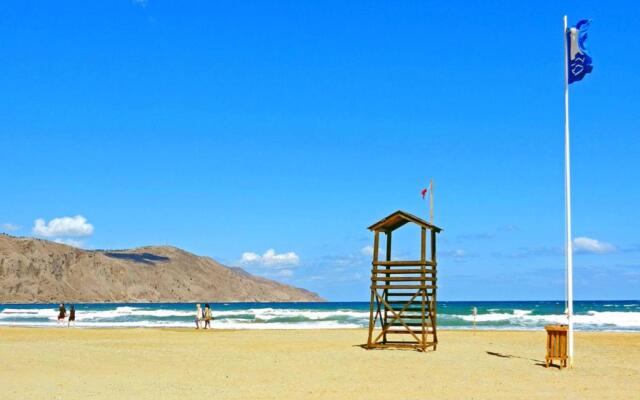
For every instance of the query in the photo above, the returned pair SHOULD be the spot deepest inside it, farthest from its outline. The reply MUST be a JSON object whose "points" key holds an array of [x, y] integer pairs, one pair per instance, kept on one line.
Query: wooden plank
{"points": [[387, 268], [404, 294], [403, 287], [402, 279], [414, 309], [423, 257], [408, 323], [388, 255], [398, 219], [423, 246], [399, 294], [405, 332], [402, 271], [373, 291], [433, 312], [393, 344], [419, 310], [406, 342], [404, 263], [405, 316], [434, 259]]}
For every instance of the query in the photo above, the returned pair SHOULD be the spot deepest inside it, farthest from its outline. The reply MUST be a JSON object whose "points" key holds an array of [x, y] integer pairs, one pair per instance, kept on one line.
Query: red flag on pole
{"points": [[424, 192]]}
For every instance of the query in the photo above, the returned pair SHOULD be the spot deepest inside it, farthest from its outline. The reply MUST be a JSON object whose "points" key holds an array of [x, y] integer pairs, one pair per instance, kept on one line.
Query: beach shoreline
{"points": [[216, 329], [623, 316], [172, 363]]}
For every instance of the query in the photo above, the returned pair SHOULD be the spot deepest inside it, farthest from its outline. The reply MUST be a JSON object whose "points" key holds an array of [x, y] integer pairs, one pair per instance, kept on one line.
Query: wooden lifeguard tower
{"points": [[403, 293]]}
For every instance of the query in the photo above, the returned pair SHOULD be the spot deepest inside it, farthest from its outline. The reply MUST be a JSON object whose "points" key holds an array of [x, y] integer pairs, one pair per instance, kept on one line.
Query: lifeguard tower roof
{"points": [[399, 218]]}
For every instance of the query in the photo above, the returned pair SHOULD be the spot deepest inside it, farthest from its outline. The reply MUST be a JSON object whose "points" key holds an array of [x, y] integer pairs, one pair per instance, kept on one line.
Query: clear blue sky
{"points": [[237, 127]]}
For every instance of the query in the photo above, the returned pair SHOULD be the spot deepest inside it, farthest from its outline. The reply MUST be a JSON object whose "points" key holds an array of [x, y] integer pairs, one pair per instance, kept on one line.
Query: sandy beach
{"points": [[49, 363]]}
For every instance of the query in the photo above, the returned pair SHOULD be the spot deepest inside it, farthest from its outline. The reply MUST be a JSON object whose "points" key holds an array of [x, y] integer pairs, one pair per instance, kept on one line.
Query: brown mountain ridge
{"points": [[41, 271]]}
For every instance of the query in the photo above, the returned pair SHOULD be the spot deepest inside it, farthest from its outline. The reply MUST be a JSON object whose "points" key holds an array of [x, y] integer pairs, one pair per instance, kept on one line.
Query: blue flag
{"points": [[579, 62]]}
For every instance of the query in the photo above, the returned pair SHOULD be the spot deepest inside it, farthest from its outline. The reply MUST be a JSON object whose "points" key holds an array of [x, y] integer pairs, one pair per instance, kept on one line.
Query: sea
{"points": [[623, 316]]}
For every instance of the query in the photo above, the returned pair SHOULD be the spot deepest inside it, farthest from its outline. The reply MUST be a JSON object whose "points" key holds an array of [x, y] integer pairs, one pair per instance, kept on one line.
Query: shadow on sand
{"points": [[364, 347], [539, 363]]}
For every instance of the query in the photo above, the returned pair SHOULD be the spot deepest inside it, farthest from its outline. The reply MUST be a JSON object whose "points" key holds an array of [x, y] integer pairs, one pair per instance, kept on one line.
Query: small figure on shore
{"points": [[72, 316], [199, 316], [62, 314], [474, 312], [207, 316]]}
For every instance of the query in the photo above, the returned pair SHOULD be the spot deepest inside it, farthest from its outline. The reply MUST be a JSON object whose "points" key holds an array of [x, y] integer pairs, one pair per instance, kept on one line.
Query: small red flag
{"points": [[424, 192]]}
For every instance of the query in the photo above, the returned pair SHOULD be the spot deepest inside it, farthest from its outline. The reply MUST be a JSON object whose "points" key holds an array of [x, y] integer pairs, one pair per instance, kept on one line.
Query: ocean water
{"points": [[512, 315]]}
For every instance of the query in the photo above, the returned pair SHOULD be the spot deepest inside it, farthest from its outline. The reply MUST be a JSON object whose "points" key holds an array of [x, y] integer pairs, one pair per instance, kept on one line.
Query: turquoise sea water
{"points": [[520, 315]]}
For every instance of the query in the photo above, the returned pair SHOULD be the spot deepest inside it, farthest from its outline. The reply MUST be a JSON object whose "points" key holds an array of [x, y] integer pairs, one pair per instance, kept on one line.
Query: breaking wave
{"points": [[590, 316]]}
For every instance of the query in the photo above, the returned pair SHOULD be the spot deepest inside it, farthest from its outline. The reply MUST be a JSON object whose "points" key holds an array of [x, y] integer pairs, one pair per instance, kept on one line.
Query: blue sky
{"points": [[228, 128]]}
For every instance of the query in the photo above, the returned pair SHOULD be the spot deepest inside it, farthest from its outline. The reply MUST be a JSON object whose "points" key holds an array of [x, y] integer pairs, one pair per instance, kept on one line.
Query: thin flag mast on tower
{"points": [[431, 201], [424, 192], [577, 64]]}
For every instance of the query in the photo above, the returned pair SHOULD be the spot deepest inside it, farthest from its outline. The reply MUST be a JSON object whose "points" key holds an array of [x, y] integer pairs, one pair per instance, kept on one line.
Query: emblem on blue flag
{"points": [[579, 61]]}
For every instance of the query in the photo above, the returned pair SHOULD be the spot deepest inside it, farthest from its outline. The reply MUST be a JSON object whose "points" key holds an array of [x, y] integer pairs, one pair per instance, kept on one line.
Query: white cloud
{"points": [[63, 227], [270, 259], [368, 251], [8, 227], [250, 258], [593, 246], [70, 242]]}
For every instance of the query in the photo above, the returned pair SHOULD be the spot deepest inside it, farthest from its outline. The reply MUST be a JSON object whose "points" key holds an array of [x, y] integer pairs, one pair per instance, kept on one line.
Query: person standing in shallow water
{"points": [[62, 313], [198, 315], [72, 316], [207, 316]]}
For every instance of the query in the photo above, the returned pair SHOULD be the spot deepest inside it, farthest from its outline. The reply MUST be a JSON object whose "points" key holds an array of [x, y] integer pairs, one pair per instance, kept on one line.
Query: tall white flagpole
{"points": [[567, 189]]}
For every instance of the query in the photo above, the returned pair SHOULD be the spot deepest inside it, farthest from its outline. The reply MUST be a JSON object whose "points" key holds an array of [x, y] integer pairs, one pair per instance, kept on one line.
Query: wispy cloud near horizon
{"points": [[592, 246], [9, 227], [270, 259], [458, 255], [71, 242]]}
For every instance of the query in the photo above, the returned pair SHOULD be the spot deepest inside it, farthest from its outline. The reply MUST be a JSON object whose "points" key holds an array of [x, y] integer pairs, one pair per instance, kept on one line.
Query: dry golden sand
{"points": [[305, 364]]}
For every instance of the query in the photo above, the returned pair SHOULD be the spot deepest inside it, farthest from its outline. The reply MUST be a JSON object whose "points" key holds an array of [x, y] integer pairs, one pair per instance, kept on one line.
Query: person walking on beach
{"points": [[62, 314], [199, 316], [72, 316], [207, 316]]}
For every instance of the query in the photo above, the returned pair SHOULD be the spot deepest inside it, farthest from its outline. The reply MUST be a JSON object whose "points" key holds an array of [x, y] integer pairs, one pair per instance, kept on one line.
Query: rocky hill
{"points": [[40, 271]]}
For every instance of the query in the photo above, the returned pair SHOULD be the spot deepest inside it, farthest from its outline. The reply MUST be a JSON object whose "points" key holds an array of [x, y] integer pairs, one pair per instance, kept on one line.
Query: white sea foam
{"points": [[118, 312], [257, 317], [292, 318], [180, 324], [591, 318], [493, 317], [28, 313], [267, 314]]}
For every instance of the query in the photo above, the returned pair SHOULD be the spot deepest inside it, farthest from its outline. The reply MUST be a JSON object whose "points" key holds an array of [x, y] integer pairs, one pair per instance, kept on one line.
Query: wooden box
{"points": [[556, 345]]}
